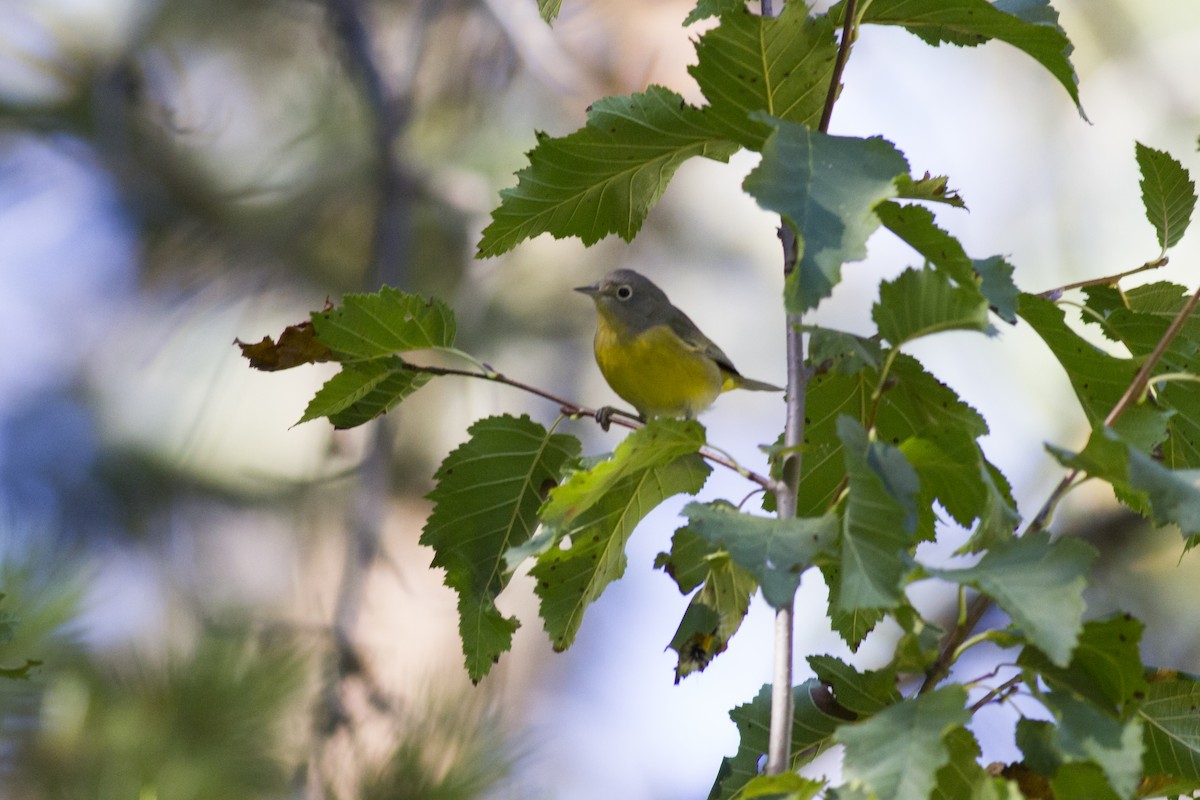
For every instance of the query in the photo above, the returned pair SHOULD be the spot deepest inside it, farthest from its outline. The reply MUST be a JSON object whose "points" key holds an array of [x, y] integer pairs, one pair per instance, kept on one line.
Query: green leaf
{"points": [[1099, 380], [962, 778], [549, 9], [921, 302], [751, 65], [826, 188], [879, 520], [1086, 734], [991, 276], [1081, 781], [787, 786], [775, 551], [853, 624], [864, 693], [1171, 713], [364, 390], [605, 177], [929, 188], [713, 616], [385, 323], [593, 515], [1168, 193], [488, 493], [953, 469], [913, 403], [1105, 669], [814, 719], [843, 352], [713, 8], [658, 443], [997, 285], [919, 645], [897, 753], [1029, 25], [687, 563], [1167, 496], [1039, 584]]}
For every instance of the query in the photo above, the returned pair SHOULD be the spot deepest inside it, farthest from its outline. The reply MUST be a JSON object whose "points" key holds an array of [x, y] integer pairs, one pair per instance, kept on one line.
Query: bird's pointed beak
{"points": [[590, 291]]}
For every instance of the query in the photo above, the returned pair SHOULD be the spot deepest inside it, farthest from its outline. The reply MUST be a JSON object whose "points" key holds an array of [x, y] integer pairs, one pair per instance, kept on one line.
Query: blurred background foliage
{"points": [[228, 607]]}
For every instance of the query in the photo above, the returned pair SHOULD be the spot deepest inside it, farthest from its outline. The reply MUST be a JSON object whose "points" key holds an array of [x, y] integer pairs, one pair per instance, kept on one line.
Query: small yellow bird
{"points": [[653, 355]]}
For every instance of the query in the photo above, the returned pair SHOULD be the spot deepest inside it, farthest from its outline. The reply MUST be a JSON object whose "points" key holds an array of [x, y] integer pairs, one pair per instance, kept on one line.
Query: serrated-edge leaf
{"points": [[363, 391], [590, 553], [922, 302], [1099, 379], [549, 9], [1031, 27], [878, 523], [898, 752], [384, 323], [1170, 496], [864, 693], [775, 551], [1106, 666], [915, 226], [605, 177], [1168, 194], [826, 188], [712, 8], [486, 500], [962, 778], [751, 65], [1172, 729], [1086, 734], [1039, 583], [713, 616], [812, 730], [659, 442]]}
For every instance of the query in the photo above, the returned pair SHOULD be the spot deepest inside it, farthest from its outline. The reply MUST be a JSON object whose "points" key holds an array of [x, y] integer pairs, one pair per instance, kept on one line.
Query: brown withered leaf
{"points": [[297, 345]]}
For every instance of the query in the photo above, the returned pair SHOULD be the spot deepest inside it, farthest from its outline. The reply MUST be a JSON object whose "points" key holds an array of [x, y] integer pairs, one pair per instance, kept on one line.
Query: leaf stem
{"points": [[1001, 691], [1050, 294]]}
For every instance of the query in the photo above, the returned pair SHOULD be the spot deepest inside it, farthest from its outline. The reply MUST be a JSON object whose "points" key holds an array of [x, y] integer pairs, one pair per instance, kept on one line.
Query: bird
{"points": [[653, 355]]}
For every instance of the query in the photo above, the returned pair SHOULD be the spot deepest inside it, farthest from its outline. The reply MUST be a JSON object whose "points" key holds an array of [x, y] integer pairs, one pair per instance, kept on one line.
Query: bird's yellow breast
{"points": [[656, 371]]}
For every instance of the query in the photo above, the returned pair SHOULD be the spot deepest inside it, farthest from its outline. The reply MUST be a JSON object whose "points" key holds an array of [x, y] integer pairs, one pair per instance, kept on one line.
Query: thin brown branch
{"points": [[839, 65], [1001, 691], [941, 667], [603, 416], [1142, 379], [1050, 294]]}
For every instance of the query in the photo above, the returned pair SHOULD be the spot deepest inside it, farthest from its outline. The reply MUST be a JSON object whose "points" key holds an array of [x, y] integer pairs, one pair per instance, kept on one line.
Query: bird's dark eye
{"points": [[624, 292]]}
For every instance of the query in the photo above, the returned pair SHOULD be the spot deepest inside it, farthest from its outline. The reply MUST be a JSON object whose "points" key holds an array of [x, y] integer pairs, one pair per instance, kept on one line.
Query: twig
{"points": [[1050, 294], [613, 415], [1142, 379], [1003, 689], [839, 65]]}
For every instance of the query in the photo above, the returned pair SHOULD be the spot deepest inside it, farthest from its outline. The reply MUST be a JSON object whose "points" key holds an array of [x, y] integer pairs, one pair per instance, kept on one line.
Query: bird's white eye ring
{"points": [[624, 292]]}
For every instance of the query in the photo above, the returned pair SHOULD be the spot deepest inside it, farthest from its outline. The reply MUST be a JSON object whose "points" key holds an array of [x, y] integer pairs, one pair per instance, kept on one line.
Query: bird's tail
{"points": [[755, 386]]}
